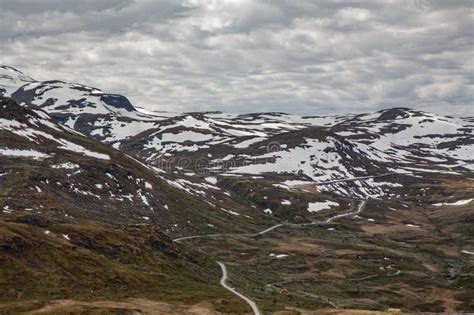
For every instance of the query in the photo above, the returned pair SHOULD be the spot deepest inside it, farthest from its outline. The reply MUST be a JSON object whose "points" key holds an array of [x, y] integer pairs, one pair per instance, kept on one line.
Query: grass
{"points": [[101, 262], [344, 266]]}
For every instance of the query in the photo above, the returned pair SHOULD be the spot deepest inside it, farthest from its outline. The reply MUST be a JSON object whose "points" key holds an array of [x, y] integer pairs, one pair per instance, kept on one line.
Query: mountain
{"points": [[68, 175], [389, 146], [80, 219], [12, 79], [367, 212]]}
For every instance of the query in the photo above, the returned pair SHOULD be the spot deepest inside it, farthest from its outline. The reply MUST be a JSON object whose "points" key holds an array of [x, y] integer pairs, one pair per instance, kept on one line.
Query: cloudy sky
{"points": [[304, 57]]}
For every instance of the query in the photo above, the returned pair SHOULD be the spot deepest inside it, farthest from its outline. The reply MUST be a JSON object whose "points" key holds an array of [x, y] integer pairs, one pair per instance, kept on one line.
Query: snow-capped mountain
{"points": [[352, 155], [11, 79], [64, 173], [57, 97]]}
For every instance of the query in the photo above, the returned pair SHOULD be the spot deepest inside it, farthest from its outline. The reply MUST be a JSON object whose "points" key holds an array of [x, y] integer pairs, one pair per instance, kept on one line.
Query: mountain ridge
{"points": [[329, 148]]}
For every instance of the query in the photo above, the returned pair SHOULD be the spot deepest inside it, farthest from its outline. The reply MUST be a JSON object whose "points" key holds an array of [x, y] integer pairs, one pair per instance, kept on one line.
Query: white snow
{"points": [[313, 159], [456, 203], [279, 256], [6, 209], [318, 206], [120, 130], [186, 136], [69, 146], [230, 212], [84, 192], [211, 179], [144, 199], [66, 165], [18, 153], [148, 185]]}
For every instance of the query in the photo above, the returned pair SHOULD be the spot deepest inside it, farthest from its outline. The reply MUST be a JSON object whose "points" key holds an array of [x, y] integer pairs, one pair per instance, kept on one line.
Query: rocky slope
{"points": [[47, 167], [391, 147]]}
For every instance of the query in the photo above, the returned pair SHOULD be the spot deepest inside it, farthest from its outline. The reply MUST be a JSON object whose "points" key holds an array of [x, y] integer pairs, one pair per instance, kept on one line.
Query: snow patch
{"points": [[17, 153], [318, 206], [456, 203]]}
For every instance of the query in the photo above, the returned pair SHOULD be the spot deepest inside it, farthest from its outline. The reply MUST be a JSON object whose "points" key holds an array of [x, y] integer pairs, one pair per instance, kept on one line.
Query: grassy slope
{"points": [[112, 252], [361, 264], [100, 262]]}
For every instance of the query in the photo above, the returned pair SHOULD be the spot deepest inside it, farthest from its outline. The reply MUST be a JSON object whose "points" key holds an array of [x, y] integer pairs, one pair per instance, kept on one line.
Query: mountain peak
{"points": [[117, 101], [5, 68], [61, 98]]}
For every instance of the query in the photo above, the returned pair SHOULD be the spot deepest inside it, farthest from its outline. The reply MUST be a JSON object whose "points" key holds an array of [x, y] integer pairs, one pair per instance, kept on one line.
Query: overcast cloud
{"points": [[302, 57]]}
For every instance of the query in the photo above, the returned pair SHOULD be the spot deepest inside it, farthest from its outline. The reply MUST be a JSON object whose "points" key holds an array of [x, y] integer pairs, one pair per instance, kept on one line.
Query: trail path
{"points": [[359, 210], [352, 179], [252, 304], [223, 283]]}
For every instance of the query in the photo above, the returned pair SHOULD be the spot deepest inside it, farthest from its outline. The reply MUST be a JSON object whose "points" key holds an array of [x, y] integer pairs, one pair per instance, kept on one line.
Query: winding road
{"points": [[338, 216], [329, 220], [352, 179], [359, 210], [270, 229], [177, 240], [223, 283], [252, 304]]}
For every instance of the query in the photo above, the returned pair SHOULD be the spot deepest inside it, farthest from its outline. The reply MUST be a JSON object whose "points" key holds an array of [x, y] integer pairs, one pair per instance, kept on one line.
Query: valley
{"points": [[105, 207]]}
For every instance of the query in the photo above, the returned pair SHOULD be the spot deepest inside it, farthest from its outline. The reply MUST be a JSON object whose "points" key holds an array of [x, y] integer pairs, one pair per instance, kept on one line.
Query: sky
{"points": [[302, 57]]}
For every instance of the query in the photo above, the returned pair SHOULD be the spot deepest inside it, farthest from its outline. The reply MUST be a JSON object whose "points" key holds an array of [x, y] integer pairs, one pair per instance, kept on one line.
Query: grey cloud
{"points": [[29, 7], [304, 57]]}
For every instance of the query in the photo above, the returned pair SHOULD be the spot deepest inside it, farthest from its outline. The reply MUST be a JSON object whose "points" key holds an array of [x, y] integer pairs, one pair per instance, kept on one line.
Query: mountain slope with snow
{"points": [[333, 150], [68, 175]]}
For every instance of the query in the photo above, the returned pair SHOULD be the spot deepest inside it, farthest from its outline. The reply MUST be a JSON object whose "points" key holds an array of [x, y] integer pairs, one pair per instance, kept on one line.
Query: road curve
{"points": [[177, 240], [252, 304], [359, 210], [223, 283], [354, 179], [270, 229]]}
